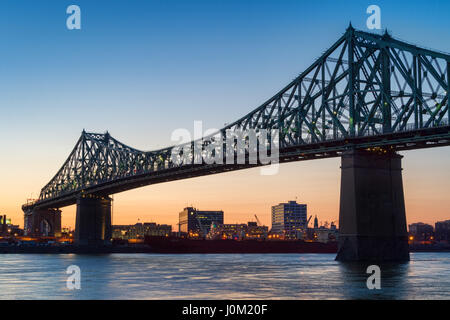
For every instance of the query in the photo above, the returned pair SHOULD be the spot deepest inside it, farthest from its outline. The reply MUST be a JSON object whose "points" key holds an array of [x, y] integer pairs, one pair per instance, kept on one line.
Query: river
{"points": [[219, 276]]}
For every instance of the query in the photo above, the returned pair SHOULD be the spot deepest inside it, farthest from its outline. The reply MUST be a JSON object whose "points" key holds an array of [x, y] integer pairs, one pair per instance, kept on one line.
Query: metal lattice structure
{"points": [[365, 91]]}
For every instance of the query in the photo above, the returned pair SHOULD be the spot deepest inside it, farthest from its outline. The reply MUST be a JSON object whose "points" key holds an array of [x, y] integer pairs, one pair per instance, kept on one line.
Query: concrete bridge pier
{"points": [[93, 221], [372, 219], [40, 222]]}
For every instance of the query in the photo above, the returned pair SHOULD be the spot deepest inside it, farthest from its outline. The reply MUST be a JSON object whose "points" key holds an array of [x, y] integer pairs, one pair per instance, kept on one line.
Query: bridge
{"points": [[364, 99]]}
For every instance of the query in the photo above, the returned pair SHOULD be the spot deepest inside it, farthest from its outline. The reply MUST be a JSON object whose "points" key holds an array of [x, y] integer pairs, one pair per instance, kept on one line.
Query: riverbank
{"points": [[180, 247]]}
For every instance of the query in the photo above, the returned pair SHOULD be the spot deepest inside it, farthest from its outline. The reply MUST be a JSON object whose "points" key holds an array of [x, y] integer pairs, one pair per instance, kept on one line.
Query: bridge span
{"points": [[365, 99]]}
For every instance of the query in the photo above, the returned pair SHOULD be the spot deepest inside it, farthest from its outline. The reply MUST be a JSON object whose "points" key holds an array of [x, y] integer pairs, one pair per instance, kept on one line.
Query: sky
{"points": [[141, 69]]}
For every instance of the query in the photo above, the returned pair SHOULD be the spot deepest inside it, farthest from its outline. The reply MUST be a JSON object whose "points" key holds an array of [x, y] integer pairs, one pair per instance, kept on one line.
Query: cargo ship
{"points": [[183, 245]]}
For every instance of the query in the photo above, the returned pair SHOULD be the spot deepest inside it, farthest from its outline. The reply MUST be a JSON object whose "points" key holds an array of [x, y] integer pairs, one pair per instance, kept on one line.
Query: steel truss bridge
{"points": [[367, 91]]}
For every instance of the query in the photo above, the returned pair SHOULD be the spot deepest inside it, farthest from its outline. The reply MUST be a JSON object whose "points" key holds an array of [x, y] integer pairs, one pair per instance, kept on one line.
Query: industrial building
{"points": [[250, 231], [140, 230]]}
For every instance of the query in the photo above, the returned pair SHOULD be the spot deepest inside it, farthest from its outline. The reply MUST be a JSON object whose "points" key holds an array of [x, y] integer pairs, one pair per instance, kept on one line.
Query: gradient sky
{"points": [[141, 69]]}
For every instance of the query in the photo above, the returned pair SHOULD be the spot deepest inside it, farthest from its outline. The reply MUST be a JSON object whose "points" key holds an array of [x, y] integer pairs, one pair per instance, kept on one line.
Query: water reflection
{"points": [[354, 280], [213, 276]]}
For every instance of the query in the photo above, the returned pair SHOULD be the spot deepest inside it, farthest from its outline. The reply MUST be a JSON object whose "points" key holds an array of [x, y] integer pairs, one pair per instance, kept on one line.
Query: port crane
{"points": [[202, 227], [257, 221], [307, 222]]}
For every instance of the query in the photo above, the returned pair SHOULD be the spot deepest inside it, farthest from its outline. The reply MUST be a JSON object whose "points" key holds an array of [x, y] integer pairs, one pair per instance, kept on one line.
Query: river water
{"points": [[215, 276]]}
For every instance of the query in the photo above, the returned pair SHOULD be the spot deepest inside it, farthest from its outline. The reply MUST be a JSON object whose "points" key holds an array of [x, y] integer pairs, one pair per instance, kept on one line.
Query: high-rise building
{"points": [[289, 219], [197, 223], [442, 231]]}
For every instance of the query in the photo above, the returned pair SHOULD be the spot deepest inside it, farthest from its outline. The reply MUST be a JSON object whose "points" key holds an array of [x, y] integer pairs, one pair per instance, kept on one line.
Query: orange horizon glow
{"points": [[242, 194], [165, 66]]}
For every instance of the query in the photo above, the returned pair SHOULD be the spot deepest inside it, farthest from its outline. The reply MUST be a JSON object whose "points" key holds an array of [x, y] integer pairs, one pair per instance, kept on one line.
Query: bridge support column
{"points": [[372, 220], [93, 221], [42, 222]]}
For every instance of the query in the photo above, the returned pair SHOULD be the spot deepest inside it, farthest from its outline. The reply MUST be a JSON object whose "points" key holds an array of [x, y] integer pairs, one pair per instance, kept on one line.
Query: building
{"points": [[8, 229], [4, 220], [325, 234], [256, 232], [156, 230], [196, 223], [121, 232], [67, 232], [289, 219], [421, 232], [140, 230], [316, 223], [250, 231], [227, 231], [3, 225], [442, 231]]}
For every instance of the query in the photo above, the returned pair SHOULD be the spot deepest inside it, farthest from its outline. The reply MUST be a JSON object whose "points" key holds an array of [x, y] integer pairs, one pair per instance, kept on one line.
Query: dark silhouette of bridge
{"points": [[366, 98]]}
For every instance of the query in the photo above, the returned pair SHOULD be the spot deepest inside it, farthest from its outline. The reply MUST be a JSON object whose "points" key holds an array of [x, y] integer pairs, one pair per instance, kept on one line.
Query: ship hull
{"points": [[176, 245]]}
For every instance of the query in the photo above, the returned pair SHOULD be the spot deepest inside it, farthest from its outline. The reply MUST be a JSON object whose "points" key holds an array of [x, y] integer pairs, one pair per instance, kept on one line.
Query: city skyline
{"points": [[219, 78], [211, 157]]}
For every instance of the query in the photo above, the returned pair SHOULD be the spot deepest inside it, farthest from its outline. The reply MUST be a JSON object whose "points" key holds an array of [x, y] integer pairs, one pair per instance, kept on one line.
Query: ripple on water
{"points": [[215, 276]]}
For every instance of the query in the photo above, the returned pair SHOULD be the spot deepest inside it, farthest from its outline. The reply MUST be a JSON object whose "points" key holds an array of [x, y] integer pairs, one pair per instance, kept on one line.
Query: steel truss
{"points": [[365, 91]]}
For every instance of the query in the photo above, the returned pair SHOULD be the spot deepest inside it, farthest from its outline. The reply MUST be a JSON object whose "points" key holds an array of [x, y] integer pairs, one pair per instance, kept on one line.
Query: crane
{"points": [[257, 220], [202, 228], [307, 222]]}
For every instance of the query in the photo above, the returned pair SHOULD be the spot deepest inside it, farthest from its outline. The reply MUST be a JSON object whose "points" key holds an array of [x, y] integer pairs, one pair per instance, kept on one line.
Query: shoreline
{"points": [[150, 250]]}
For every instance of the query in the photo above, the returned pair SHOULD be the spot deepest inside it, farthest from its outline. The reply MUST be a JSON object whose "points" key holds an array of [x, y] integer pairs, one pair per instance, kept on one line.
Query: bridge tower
{"points": [[93, 221], [372, 220]]}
